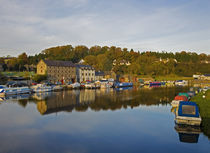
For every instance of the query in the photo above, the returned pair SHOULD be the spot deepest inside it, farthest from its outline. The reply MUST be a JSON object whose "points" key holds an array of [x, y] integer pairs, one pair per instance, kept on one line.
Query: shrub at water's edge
{"points": [[203, 103]]}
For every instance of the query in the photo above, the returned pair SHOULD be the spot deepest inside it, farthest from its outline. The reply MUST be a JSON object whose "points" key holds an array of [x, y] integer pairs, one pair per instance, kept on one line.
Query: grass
{"points": [[172, 78], [203, 103], [165, 78], [19, 74]]}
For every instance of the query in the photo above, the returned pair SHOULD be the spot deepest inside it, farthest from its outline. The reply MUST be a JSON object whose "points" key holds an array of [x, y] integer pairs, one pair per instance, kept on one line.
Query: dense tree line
{"points": [[120, 60]]}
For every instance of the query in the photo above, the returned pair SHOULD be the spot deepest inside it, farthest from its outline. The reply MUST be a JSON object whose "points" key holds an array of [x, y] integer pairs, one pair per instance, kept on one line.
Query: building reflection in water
{"points": [[65, 101], [104, 99]]}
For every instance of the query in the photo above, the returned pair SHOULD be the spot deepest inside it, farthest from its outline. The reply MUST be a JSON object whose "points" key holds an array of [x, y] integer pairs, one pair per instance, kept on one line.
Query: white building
{"points": [[85, 73]]}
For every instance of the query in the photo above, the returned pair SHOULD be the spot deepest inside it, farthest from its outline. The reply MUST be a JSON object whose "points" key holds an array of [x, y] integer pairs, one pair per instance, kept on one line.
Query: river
{"points": [[98, 121]]}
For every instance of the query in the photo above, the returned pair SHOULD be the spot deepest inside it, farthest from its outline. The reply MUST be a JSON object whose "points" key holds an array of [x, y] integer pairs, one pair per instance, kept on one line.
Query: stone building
{"points": [[99, 75], [85, 73], [64, 71]]}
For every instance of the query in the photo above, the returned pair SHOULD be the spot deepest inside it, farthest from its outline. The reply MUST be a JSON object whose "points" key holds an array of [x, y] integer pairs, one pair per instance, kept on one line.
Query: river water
{"points": [[98, 121]]}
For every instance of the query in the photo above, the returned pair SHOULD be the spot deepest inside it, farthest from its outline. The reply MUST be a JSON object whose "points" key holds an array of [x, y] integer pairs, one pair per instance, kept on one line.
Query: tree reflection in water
{"points": [[104, 99], [107, 99]]}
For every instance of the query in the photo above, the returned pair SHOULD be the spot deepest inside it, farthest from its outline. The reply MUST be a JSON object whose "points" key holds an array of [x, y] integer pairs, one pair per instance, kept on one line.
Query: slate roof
{"points": [[84, 66], [59, 63], [99, 73]]}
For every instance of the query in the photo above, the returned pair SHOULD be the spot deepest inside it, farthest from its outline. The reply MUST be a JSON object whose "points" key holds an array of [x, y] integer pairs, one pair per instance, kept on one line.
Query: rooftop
{"points": [[59, 63]]}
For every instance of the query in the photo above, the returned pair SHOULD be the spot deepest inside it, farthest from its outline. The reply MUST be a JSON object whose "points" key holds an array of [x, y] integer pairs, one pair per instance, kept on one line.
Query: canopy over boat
{"points": [[188, 109], [184, 94], [182, 98]]}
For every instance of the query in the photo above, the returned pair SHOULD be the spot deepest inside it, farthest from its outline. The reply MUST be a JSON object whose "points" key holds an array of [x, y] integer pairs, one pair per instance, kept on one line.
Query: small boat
{"points": [[181, 82], [123, 84], [191, 93], [181, 98], [2, 92], [175, 103], [188, 113], [57, 87], [155, 83], [41, 88], [75, 85], [15, 88], [89, 85], [184, 94]]}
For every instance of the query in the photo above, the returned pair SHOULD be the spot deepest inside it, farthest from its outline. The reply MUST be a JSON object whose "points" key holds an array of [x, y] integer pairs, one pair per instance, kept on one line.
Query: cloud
{"points": [[32, 26]]}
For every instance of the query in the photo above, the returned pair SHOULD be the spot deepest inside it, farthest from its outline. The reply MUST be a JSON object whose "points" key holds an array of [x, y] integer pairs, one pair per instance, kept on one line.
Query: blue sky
{"points": [[158, 25]]}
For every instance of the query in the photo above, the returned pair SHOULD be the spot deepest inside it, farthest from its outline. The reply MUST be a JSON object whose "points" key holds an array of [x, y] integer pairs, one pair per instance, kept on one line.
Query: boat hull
{"points": [[196, 121]]}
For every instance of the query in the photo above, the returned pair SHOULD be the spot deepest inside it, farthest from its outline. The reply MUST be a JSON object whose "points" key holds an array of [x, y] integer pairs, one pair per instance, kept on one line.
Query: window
{"points": [[187, 109]]}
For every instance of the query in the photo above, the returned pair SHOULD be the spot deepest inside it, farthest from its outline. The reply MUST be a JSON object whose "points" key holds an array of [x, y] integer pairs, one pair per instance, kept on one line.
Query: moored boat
{"points": [[15, 88], [57, 87], [2, 92], [123, 84], [41, 88], [184, 94], [175, 103], [75, 85], [181, 98], [188, 113], [181, 82]]}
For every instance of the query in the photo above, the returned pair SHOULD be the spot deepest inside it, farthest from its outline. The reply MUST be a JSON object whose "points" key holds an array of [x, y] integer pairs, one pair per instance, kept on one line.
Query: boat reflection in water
{"points": [[17, 97], [188, 134]]}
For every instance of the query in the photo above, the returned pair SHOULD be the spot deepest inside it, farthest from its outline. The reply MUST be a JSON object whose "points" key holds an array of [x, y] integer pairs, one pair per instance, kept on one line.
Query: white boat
{"points": [[75, 85], [2, 92], [41, 88], [90, 85], [57, 88], [181, 82], [175, 103], [106, 84], [15, 88]]}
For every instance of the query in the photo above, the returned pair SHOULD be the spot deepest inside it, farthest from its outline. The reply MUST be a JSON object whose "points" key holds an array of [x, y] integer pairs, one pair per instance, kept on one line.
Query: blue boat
{"points": [[155, 83], [188, 113], [123, 84]]}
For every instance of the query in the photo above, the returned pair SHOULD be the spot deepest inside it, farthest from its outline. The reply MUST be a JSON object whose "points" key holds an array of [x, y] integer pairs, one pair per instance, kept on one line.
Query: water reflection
{"points": [[188, 134], [148, 127], [105, 99]]}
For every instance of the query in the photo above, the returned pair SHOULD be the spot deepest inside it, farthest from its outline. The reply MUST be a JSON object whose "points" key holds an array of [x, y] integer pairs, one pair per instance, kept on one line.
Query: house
{"points": [[197, 77], [64, 71], [205, 77], [85, 73], [99, 75], [121, 62]]}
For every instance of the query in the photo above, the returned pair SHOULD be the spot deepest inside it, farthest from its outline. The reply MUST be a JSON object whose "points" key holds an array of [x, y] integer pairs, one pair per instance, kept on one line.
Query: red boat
{"points": [[182, 98]]}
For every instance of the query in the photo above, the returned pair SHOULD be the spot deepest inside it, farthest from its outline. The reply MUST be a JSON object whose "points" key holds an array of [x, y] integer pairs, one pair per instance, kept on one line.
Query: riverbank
{"points": [[165, 77], [203, 103]]}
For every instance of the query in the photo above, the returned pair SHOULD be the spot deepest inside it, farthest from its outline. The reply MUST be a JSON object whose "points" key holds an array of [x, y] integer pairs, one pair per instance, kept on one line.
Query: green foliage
{"points": [[203, 103], [3, 78], [38, 78], [101, 58]]}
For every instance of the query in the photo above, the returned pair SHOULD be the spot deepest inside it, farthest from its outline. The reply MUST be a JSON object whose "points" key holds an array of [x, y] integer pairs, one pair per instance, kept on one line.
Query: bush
{"points": [[38, 78], [3, 79]]}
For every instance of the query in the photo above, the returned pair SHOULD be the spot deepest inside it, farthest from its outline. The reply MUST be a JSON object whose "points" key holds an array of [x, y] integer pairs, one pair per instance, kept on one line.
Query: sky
{"points": [[144, 25]]}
